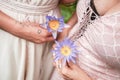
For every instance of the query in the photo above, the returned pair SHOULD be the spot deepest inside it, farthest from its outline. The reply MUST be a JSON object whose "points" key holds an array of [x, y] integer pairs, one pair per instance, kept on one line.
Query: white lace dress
{"points": [[21, 59]]}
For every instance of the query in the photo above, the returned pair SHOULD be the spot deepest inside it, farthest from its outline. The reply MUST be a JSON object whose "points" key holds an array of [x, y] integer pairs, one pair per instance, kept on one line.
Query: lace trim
{"points": [[86, 20]]}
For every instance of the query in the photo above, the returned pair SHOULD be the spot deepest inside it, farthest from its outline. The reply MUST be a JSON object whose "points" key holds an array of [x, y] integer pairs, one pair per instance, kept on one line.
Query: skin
{"points": [[25, 30], [72, 71], [66, 1], [72, 21]]}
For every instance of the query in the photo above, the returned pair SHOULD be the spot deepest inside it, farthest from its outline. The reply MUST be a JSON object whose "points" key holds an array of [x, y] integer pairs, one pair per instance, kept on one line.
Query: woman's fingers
{"points": [[71, 65], [66, 72], [49, 39], [53, 46], [49, 34], [44, 32], [34, 32]]}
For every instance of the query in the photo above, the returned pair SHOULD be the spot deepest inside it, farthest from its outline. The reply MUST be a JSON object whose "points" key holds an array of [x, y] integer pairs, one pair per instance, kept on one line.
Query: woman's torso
{"points": [[24, 59], [33, 10], [99, 55]]}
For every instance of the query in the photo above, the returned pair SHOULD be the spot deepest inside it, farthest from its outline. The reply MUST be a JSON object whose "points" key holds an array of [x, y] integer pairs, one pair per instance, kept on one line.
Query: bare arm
{"points": [[67, 1], [25, 30], [72, 21], [8, 24]]}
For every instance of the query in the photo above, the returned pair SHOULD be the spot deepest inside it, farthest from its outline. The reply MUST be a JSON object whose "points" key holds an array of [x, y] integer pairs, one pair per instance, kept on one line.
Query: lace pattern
{"points": [[87, 19]]}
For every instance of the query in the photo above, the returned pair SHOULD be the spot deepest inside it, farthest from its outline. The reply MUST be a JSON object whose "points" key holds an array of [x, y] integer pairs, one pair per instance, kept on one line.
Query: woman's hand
{"points": [[74, 72], [26, 30], [70, 71], [34, 32]]}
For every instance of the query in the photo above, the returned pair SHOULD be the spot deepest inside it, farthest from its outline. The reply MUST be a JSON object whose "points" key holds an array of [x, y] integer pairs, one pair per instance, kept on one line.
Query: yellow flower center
{"points": [[54, 24], [65, 50]]}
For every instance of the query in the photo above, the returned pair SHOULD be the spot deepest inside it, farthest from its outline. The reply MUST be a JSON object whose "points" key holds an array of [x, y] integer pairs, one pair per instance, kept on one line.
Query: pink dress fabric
{"points": [[99, 43]]}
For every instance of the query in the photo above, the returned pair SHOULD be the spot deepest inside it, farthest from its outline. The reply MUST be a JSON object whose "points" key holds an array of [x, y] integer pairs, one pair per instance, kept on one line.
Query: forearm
{"points": [[9, 24], [25, 30], [72, 21], [67, 1]]}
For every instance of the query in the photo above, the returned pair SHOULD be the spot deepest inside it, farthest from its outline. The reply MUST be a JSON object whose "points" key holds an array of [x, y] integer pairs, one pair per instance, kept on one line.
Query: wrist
{"points": [[85, 77], [9, 24], [17, 28], [71, 3]]}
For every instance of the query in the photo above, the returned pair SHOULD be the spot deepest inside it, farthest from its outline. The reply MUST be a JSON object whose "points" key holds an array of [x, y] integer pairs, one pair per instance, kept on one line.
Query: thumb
{"points": [[53, 46], [68, 72], [71, 65]]}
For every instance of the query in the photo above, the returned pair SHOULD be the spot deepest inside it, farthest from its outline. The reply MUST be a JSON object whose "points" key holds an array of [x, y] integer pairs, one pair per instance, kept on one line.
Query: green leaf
{"points": [[67, 11]]}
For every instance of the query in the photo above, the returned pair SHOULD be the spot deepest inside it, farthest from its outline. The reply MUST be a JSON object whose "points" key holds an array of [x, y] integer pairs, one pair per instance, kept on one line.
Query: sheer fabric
{"points": [[21, 59]]}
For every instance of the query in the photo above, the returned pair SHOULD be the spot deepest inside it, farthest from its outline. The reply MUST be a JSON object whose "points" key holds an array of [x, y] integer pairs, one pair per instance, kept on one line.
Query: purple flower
{"points": [[65, 50], [54, 24]]}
